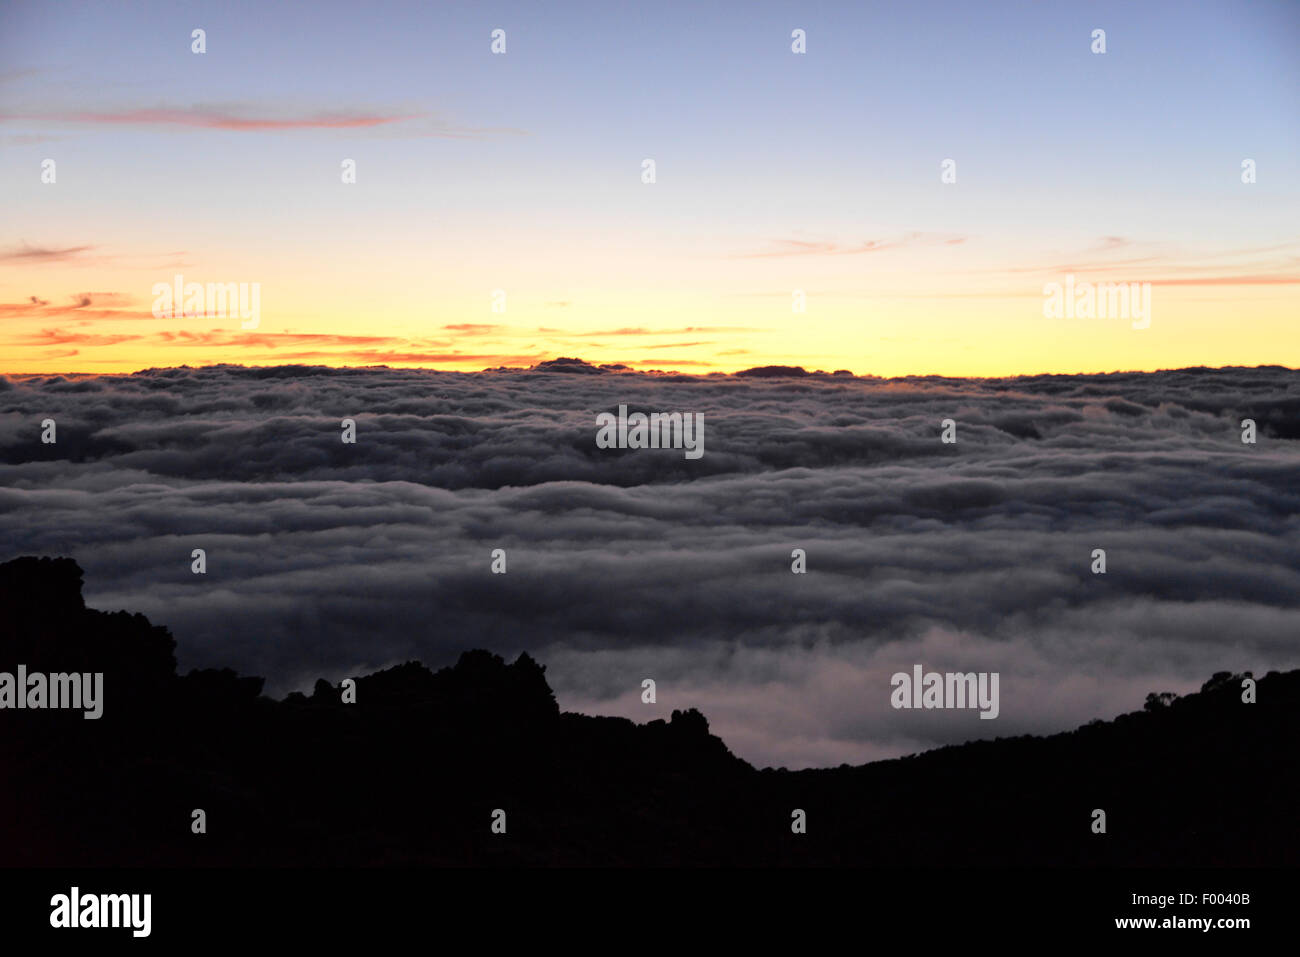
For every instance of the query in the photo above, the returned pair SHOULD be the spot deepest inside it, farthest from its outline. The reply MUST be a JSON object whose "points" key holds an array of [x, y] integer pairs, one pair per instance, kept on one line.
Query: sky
{"points": [[522, 173]]}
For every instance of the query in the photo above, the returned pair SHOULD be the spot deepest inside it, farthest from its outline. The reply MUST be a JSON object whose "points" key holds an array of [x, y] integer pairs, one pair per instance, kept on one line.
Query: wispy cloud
{"points": [[43, 254], [244, 119], [1246, 280], [1262, 261], [380, 357], [642, 331], [210, 118], [50, 337], [84, 306], [476, 328], [830, 247], [271, 340], [801, 247]]}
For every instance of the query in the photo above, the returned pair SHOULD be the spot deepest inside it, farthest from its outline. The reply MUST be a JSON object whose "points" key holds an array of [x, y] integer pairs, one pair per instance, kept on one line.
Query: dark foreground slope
{"points": [[412, 772]]}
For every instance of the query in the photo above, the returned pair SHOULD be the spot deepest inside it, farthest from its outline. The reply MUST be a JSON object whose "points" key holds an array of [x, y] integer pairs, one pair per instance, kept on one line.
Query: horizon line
{"points": [[620, 368]]}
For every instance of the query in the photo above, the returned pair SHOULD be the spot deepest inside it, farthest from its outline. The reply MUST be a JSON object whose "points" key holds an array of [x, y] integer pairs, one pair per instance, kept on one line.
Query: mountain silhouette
{"points": [[412, 771]]}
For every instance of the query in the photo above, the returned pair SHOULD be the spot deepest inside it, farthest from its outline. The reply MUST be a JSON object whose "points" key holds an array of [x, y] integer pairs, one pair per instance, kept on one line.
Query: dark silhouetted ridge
{"points": [[412, 771], [562, 364], [774, 372]]}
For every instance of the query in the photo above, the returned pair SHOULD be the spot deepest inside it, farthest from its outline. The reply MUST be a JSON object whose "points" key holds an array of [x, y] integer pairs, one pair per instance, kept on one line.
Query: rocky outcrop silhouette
{"points": [[412, 771]]}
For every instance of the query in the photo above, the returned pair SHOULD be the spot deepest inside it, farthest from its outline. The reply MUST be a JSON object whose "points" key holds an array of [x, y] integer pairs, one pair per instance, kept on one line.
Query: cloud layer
{"points": [[325, 558]]}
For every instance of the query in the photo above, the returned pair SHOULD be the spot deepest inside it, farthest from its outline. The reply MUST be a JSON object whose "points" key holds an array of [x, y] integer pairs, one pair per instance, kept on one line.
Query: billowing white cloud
{"points": [[326, 559]]}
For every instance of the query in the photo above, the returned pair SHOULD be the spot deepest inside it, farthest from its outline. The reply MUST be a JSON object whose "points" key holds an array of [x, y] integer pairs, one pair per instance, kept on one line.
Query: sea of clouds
{"points": [[326, 559]]}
